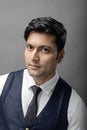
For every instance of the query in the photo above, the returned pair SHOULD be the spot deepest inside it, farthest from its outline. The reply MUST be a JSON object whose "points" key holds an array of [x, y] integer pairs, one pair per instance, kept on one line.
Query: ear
{"points": [[60, 56]]}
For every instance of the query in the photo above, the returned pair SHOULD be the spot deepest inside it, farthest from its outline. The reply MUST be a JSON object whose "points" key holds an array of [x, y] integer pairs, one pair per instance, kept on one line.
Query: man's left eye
{"points": [[45, 50]]}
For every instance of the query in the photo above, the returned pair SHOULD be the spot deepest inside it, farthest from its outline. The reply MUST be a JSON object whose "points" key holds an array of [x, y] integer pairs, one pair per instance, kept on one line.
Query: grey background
{"points": [[15, 15]]}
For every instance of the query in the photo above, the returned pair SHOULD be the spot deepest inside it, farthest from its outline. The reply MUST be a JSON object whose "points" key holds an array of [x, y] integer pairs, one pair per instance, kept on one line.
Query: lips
{"points": [[34, 67]]}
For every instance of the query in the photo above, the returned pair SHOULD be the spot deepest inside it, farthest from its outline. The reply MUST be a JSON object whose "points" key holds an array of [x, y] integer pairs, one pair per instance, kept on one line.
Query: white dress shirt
{"points": [[77, 111]]}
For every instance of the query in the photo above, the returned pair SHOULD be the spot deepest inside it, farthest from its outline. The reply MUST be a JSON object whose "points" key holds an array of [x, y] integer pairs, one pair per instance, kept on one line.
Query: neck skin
{"points": [[40, 81]]}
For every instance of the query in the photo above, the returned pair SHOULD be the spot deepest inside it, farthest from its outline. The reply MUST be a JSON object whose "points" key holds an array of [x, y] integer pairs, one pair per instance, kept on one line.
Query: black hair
{"points": [[50, 26]]}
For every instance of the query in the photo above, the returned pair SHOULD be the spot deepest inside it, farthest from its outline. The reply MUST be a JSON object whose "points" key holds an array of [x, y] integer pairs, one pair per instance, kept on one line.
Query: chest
{"points": [[53, 116]]}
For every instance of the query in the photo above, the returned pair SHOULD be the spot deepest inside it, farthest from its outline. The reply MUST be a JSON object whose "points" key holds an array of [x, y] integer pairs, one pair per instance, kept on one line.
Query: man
{"points": [[59, 107]]}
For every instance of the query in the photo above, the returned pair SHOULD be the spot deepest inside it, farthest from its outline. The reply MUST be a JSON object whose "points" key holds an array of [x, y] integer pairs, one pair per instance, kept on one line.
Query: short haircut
{"points": [[50, 26]]}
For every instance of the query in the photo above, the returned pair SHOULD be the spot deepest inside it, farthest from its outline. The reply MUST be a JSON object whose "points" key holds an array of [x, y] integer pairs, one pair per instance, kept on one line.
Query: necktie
{"points": [[32, 108]]}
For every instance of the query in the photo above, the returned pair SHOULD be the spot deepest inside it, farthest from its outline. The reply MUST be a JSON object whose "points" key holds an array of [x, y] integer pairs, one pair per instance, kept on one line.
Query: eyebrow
{"points": [[46, 46], [42, 46]]}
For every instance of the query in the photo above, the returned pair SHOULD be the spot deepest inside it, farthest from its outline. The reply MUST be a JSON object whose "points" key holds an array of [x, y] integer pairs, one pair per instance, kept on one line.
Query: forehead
{"points": [[37, 38]]}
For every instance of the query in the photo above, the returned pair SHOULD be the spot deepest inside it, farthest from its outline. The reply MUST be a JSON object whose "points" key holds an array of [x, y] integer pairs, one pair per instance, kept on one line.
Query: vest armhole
{"points": [[7, 87]]}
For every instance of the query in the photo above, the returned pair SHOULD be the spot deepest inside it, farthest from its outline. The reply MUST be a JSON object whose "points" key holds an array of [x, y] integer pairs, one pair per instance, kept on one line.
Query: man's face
{"points": [[41, 56]]}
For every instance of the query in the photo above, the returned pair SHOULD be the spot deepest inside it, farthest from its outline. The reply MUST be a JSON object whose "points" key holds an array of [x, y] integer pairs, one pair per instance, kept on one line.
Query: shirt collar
{"points": [[47, 87]]}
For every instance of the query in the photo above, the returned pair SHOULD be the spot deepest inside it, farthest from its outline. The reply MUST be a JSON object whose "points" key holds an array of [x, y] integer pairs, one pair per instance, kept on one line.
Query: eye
{"points": [[45, 50], [29, 47]]}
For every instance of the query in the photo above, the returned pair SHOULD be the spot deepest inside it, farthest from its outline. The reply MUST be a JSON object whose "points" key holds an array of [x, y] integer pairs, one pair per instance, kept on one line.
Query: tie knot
{"points": [[36, 89]]}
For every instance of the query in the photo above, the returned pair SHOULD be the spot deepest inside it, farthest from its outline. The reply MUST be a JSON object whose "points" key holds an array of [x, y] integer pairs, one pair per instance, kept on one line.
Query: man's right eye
{"points": [[29, 47]]}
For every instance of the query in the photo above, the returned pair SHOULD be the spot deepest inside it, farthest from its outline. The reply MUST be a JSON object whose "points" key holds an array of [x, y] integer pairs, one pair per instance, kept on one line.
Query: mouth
{"points": [[34, 67]]}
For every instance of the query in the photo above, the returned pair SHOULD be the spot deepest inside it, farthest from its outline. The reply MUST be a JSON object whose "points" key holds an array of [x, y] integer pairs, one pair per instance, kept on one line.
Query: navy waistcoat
{"points": [[52, 117]]}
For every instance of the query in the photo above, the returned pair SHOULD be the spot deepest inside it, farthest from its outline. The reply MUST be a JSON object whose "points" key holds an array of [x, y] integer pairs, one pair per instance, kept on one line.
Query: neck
{"points": [[40, 81]]}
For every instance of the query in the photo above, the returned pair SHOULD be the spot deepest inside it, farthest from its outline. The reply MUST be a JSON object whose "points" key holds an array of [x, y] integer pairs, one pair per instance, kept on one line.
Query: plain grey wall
{"points": [[15, 15]]}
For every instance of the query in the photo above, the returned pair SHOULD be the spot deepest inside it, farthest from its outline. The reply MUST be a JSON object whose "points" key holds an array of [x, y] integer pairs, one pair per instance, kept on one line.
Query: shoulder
{"points": [[3, 79], [76, 101], [76, 111]]}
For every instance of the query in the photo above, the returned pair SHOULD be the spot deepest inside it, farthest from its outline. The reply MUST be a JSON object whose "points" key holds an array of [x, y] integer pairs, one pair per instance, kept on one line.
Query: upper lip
{"points": [[33, 65]]}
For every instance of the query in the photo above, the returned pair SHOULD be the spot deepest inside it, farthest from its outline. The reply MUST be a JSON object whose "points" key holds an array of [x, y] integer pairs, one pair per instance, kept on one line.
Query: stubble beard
{"points": [[36, 74]]}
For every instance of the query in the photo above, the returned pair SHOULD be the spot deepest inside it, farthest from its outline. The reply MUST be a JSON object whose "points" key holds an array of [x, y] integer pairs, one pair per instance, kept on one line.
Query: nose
{"points": [[35, 55]]}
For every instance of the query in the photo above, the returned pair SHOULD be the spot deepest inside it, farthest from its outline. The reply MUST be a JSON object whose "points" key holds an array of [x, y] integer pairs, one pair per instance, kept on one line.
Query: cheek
{"points": [[26, 55], [49, 61]]}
